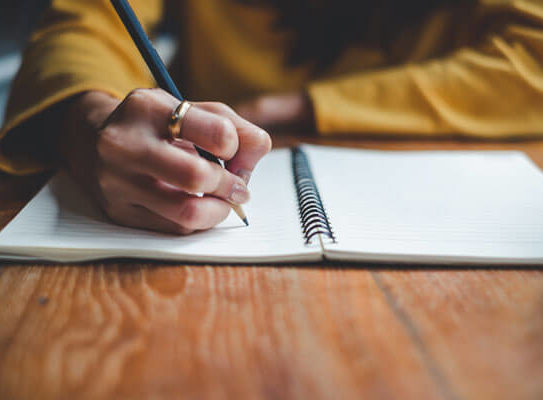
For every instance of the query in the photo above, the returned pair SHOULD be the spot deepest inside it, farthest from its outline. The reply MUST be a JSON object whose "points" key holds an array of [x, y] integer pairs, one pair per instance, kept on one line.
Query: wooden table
{"points": [[146, 330]]}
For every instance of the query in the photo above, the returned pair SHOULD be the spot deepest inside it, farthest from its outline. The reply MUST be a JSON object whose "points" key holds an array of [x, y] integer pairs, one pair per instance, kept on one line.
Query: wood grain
{"points": [[126, 330]]}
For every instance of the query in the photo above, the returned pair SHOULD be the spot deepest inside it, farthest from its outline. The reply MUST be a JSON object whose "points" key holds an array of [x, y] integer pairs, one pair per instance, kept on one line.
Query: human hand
{"points": [[292, 110], [142, 178]]}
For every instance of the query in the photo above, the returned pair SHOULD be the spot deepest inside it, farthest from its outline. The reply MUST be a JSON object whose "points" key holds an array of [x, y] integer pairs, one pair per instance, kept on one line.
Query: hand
{"points": [[291, 110], [123, 154]]}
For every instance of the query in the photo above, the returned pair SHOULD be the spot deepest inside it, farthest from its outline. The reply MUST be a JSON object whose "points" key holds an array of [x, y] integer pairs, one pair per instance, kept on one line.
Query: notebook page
{"points": [[431, 206], [61, 224]]}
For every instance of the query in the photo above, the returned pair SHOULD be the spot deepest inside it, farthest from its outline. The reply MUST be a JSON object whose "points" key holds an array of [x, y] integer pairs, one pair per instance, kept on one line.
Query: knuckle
{"points": [[217, 107], [190, 214], [140, 100], [223, 107], [225, 137], [262, 141], [195, 176], [223, 126], [147, 104], [138, 95]]}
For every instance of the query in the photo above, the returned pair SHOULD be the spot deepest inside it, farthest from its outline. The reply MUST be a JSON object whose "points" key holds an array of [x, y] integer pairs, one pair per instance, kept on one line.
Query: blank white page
{"points": [[62, 224], [431, 206]]}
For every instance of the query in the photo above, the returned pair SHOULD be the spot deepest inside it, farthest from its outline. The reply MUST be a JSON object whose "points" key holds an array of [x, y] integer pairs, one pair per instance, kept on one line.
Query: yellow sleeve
{"points": [[80, 45], [493, 90]]}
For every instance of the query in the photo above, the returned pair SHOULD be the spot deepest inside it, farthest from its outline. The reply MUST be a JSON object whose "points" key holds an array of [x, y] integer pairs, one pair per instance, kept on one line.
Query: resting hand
{"points": [[284, 111], [142, 178]]}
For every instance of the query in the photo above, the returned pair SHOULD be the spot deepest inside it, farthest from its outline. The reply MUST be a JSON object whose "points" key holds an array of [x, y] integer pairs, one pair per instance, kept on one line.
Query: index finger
{"points": [[254, 142]]}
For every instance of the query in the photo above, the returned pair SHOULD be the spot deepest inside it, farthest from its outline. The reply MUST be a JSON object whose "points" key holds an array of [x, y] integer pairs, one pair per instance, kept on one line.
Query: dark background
{"points": [[16, 20], [17, 17]]}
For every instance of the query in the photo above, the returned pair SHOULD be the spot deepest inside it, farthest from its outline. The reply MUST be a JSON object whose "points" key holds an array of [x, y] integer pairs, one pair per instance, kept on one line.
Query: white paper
{"points": [[430, 207], [62, 224], [427, 206]]}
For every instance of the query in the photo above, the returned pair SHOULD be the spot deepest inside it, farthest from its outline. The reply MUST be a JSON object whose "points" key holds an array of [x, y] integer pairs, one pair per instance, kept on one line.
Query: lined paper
{"points": [[62, 224], [431, 206]]}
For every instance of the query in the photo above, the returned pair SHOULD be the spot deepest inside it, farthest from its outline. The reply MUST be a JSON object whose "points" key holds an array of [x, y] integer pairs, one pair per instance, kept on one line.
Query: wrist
{"points": [[81, 119], [89, 110]]}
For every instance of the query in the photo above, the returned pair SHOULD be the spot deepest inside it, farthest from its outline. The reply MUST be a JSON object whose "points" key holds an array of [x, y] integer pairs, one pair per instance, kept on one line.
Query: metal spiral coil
{"points": [[310, 208]]}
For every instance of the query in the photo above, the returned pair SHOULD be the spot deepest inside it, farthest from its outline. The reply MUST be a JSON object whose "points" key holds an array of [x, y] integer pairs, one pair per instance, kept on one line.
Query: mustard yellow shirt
{"points": [[467, 72]]}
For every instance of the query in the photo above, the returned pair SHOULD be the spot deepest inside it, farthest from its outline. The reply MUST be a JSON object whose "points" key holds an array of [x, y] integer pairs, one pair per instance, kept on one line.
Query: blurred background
{"points": [[18, 17], [16, 20]]}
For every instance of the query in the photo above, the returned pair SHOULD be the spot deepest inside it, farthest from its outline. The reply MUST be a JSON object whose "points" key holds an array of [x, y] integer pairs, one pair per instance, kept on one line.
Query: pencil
{"points": [[159, 71]]}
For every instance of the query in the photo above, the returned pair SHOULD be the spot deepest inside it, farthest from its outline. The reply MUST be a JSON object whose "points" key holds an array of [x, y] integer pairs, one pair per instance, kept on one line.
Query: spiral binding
{"points": [[310, 208]]}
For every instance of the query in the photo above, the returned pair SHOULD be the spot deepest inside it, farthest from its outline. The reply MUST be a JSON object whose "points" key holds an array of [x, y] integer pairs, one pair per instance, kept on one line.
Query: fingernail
{"points": [[240, 194], [245, 175]]}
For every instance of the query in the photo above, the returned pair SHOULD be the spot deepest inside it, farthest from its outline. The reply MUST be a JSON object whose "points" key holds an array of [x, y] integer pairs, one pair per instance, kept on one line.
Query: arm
{"points": [[490, 90], [67, 100]]}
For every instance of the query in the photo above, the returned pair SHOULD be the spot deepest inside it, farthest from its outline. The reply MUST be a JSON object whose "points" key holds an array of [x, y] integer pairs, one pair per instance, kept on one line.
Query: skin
{"points": [[283, 111], [122, 154]]}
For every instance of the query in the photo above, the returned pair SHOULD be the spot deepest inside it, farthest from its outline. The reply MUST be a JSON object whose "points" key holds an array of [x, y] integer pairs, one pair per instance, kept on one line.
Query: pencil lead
{"points": [[245, 221]]}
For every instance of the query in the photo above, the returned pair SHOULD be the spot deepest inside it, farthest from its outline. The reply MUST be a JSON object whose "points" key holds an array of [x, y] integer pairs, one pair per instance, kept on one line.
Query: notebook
{"points": [[312, 203]]}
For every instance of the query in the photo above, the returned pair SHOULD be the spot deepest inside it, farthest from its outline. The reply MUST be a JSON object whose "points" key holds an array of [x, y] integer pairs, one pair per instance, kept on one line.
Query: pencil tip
{"points": [[245, 221]]}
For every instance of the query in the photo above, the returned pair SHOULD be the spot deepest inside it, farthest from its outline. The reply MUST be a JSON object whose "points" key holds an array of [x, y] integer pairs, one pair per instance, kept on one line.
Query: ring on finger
{"points": [[175, 124]]}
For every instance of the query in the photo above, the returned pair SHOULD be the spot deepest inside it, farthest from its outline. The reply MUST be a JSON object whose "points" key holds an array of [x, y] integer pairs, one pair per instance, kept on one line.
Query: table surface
{"points": [[130, 330]]}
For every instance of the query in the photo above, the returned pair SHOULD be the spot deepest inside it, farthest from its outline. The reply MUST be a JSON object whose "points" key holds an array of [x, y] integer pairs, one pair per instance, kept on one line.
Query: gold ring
{"points": [[176, 119]]}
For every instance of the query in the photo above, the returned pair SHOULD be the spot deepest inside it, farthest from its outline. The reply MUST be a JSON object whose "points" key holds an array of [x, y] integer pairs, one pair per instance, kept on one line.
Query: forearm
{"points": [[469, 93], [473, 92], [490, 87]]}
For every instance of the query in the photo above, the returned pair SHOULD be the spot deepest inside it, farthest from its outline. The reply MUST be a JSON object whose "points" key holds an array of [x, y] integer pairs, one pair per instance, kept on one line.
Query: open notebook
{"points": [[322, 202]]}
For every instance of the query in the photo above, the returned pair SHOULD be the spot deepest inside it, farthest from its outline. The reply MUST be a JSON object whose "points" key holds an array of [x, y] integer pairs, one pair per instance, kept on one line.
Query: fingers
{"points": [[212, 132], [198, 176], [254, 142], [152, 108], [135, 141], [178, 168], [159, 207]]}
